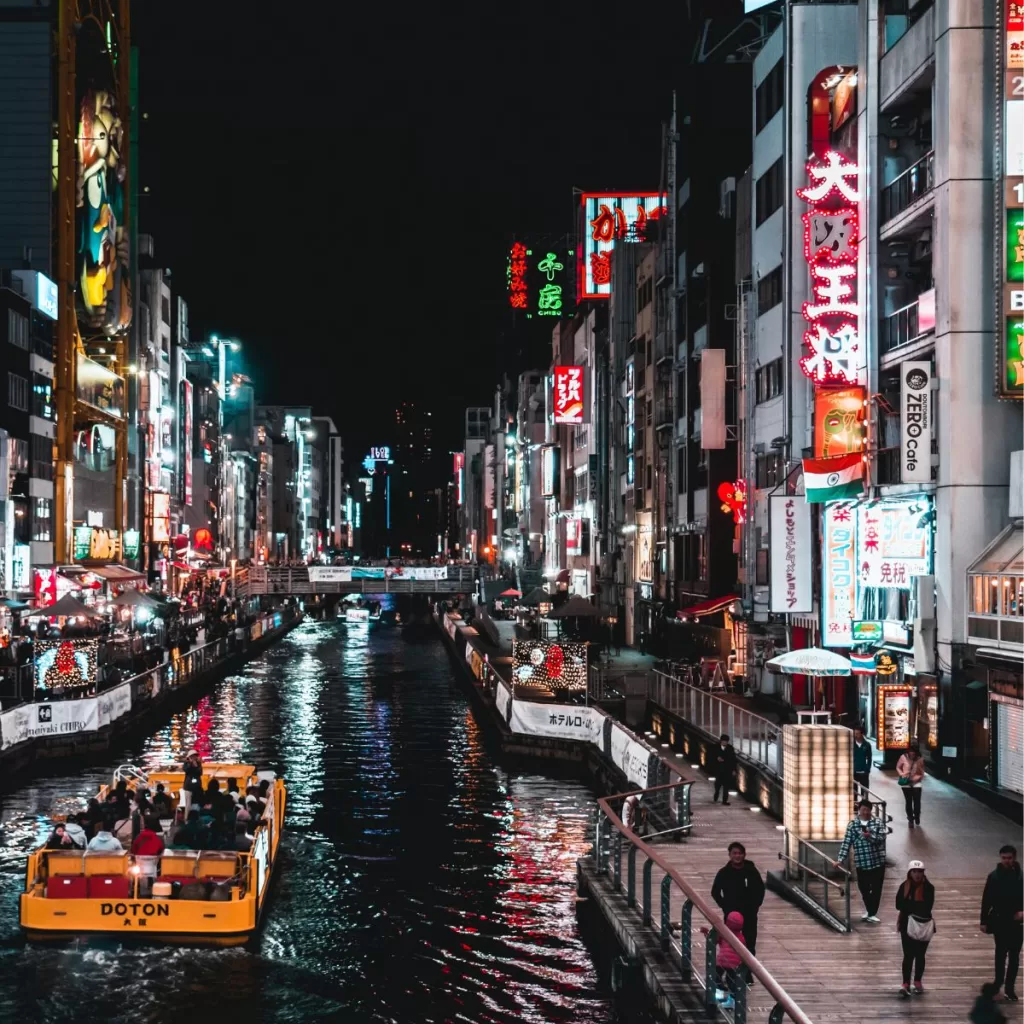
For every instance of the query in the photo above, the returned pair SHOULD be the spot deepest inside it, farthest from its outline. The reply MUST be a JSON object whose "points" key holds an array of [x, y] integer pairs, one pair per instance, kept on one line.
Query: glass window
{"points": [[17, 329], [768, 192], [978, 595], [42, 519], [768, 96], [17, 392]]}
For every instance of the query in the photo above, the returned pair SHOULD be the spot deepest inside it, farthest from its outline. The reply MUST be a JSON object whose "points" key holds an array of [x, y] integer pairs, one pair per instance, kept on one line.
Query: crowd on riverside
{"points": [[145, 823]]}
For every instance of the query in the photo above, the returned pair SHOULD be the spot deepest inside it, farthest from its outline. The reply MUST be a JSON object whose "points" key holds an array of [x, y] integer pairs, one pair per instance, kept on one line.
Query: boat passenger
{"points": [[77, 833], [148, 844], [104, 842], [59, 839], [176, 826], [242, 815], [95, 814], [194, 835], [162, 802], [243, 841], [123, 829], [193, 786]]}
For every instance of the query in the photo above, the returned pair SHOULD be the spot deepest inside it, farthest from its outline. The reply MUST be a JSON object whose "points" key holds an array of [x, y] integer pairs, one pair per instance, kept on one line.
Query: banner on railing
{"points": [[330, 574], [147, 686], [556, 721], [503, 699], [64, 717], [630, 755]]}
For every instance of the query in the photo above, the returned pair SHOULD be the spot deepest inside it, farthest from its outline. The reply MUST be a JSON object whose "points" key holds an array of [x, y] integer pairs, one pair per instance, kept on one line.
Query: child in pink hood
{"points": [[726, 958]]}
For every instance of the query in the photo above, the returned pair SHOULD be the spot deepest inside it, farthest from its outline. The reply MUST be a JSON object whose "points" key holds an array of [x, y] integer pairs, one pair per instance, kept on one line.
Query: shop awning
{"points": [[1004, 556], [116, 573], [716, 604]]}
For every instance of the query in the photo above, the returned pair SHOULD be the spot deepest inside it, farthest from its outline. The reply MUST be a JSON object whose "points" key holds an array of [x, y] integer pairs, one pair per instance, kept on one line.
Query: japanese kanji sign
{"points": [[894, 542], [610, 219], [567, 399], [831, 235], [839, 576], [540, 281]]}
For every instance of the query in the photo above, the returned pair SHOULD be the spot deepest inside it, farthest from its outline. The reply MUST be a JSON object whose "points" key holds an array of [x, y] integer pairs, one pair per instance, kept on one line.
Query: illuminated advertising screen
{"points": [[839, 577], [893, 703], [161, 518], [568, 394], [545, 663], [98, 387], [894, 542], [60, 663], [186, 440], [103, 286], [838, 421], [573, 535], [458, 470], [610, 219]]}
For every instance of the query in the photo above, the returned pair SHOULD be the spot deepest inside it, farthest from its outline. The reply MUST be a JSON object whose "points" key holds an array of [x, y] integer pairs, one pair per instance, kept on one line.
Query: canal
{"points": [[421, 880]]}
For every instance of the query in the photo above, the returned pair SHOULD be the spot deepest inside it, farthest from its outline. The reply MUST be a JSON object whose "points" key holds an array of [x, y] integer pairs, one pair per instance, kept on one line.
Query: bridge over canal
{"points": [[345, 579]]}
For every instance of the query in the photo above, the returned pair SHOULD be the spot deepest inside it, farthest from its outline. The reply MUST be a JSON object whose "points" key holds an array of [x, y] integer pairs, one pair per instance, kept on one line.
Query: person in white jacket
{"points": [[104, 842]]}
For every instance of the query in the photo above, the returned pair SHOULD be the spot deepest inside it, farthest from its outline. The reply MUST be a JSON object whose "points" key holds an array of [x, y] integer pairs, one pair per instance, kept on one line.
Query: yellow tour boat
{"points": [[183, 896]]}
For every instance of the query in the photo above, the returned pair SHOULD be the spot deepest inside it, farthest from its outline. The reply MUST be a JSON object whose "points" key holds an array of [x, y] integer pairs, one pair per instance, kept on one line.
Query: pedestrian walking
{"points": [[914, 901], [739, 887], [727, 960], [724, 762], [1002, 917], [910, 769], [865, 835], [862, 755]]}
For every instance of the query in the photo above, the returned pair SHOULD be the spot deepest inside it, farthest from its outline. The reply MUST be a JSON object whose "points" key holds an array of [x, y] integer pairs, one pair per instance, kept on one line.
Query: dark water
{"points": [[420, 880]]}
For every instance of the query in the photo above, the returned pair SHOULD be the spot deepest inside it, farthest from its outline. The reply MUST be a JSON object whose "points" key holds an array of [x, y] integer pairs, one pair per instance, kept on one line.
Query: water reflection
{"points": [[420, 880]]}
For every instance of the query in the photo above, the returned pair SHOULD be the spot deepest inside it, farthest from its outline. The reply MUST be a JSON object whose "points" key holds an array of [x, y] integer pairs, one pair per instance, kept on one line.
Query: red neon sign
{"points": [[831, 238], [611, 219], [517, 276], [568, 394], [733, 497]]}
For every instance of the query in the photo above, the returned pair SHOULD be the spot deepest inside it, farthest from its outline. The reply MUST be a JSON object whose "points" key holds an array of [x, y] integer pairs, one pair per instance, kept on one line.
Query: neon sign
{"points": [[831, 238], [568, 396], [609, 219], [733, 497], [517, 292]]}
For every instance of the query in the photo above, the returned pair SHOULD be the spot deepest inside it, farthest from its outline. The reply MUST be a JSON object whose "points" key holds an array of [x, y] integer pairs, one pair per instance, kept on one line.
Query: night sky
{"points": [[339, 195]]}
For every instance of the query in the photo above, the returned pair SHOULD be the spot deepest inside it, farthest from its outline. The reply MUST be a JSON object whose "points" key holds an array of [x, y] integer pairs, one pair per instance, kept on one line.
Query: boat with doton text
{"points": [[183, 896]]}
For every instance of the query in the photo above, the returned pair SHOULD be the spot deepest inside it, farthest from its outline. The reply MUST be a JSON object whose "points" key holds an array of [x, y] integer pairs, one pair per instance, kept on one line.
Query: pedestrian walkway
{"points": [[851, 978]]}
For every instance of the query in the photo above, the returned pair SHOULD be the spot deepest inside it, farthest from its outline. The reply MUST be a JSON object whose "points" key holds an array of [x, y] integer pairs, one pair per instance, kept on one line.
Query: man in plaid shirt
{"points": [[867, 837]]}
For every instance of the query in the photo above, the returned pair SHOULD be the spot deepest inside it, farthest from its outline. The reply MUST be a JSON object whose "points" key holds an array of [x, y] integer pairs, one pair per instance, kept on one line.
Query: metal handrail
{"points": [[804, 870], [879, 807], [757, 739], [908, 186], [603, 850]]}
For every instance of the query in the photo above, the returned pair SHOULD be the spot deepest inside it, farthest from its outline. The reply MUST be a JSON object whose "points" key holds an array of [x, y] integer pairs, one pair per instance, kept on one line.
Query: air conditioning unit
{"points": [[726, 197], [760, 448]]}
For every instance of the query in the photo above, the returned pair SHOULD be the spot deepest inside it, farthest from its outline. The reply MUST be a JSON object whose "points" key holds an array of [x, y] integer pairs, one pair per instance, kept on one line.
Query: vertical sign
{"points": [[1010, 333], [831, 234], [611, 219], [458, 469], [568, 394], [186, 441], [549, 280], [573, 535], [712, 398], [791, 584], [916, 422], [518, 297], [839, 578], [838, 421]]}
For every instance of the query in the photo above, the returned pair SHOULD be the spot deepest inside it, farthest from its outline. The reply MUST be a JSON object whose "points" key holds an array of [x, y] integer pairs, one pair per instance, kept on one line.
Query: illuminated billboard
{"points": [[610, 219], [543, 663], [540, 279], [568, 394], [104, 290], [98, 387], [838, 421], [894, 542], [186, 440], [839, 577], [549, 471], [60, 663]]}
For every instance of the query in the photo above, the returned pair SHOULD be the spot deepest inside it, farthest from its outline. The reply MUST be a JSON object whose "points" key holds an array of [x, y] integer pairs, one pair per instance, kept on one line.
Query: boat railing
{"points": [[130, 773]]}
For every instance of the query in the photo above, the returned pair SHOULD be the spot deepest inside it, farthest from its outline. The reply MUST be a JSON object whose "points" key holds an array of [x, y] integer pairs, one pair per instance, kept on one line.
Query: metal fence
{"points": [[822, 885], [753, 736], [614, 843]]}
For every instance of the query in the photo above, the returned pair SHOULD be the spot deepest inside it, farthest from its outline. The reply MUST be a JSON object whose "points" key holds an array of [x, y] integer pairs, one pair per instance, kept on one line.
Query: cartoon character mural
{"points": [[104, 295]]}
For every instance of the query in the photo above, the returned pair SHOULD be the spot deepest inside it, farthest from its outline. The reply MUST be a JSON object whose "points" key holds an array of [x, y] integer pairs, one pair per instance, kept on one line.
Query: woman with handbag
{"points": [[910, 769], [914, 901]]}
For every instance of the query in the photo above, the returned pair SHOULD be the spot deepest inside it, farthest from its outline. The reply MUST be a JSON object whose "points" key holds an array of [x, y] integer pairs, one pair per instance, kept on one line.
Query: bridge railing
{"points": [[615, 842], [295, 579]]}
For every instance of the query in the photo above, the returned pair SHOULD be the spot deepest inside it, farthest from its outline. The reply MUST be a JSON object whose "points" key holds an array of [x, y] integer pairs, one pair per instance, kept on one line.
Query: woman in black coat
{"points": [[914, 901]]}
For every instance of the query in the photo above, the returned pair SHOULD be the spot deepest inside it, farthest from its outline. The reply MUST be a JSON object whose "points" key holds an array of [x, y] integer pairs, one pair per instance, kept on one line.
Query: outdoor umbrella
{"points": [[67, 606], [135, 599], [535, 597], [511, 592], [576, 608], [810, 661]]}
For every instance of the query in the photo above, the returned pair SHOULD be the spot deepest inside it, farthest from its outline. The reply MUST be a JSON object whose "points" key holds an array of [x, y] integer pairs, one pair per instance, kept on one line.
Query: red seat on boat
{"points": [[109, 887], [67, 887]]}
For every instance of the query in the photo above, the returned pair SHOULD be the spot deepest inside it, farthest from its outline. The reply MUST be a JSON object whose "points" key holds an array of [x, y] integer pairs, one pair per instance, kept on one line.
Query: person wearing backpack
{"points": [[914, 901]]}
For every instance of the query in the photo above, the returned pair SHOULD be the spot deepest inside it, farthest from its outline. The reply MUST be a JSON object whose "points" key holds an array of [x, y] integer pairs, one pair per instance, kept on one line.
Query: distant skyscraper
{"points": [[413, 517]]}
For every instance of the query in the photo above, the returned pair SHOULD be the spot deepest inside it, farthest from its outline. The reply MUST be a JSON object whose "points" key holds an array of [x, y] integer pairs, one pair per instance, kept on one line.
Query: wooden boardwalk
{"points": [[856, 977]]}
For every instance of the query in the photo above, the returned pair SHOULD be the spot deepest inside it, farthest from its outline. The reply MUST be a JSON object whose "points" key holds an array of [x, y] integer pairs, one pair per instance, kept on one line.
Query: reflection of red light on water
{"points": [[204, 726]]}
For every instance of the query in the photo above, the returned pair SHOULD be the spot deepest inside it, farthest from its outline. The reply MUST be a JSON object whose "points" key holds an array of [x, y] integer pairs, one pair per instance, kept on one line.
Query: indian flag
{"points": [[832, 479]]}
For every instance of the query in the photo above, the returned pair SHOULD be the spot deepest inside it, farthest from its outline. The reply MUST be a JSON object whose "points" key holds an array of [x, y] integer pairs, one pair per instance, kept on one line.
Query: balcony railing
{"points": [[664, 416], [913, 183], [908, 324]]}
